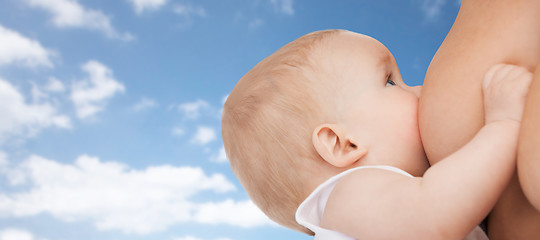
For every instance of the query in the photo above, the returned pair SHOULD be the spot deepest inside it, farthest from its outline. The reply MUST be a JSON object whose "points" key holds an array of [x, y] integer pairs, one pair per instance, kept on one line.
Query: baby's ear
{"points": [[331, 142]]}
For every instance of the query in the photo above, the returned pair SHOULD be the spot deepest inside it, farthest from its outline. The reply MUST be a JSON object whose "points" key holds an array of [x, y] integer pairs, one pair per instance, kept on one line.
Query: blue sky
{"points": [[110, 110]]}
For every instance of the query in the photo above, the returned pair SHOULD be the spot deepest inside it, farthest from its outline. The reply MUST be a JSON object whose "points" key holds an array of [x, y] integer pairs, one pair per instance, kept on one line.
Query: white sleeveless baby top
{"points": [[310, 212]]}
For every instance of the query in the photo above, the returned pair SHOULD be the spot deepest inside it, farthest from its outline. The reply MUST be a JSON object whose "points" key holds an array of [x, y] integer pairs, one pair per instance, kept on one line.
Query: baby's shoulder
{"points": [[367, 180], [362, 196]]}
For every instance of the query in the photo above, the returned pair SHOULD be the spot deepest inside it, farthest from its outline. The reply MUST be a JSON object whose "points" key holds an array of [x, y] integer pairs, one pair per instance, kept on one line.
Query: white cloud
{"points": [[116, 197], [147, 5], [432, 8], [204, 135], [71, 14], [188, 12], [192, 109], [220, 157], [16, 234], [243, 214], [25, 120], [37, 94], [90, 95], [12, 176], [54, 85], [17, 49], [283, 6], [3, 160], [143, 104]]}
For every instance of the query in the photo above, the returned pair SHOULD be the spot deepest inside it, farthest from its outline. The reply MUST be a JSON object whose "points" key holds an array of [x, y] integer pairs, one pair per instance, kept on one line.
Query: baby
{"points": [[323, 135]]}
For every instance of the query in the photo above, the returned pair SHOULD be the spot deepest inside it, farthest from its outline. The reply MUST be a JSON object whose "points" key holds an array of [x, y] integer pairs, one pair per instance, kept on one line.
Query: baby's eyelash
{"points": [[389, 81]]}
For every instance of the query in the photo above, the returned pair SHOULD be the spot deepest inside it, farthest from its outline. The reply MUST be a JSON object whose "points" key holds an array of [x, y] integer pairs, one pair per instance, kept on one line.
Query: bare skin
{"points": [[486, 32], [378, 125], [529, 153]]}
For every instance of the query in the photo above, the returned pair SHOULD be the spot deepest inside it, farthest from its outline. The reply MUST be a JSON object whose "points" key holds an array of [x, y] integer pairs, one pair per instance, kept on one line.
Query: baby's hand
{"points": [[505, 89]]}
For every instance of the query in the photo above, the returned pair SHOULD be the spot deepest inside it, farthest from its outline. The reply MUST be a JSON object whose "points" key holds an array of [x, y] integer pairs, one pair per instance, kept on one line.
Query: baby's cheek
{"points": [[411, 130]]}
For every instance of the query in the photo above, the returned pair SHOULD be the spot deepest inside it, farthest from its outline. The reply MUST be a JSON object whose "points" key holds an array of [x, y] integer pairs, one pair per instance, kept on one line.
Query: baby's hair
{"points": [[267, 127]]}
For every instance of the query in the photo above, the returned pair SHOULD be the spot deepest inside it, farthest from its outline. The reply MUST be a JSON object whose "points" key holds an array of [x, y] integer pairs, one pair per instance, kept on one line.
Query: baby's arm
{"points": [[453, 196]]}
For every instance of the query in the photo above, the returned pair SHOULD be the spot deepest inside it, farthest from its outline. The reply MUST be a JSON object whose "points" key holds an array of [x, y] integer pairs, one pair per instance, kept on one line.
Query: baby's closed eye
{"points": [[390, 83]]}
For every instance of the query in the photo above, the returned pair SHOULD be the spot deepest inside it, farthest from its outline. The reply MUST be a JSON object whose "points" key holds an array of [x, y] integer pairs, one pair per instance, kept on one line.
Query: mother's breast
{"points": [[484, 33]]}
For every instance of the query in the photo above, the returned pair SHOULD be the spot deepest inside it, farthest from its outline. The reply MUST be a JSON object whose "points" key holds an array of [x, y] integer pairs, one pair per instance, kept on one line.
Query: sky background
{"points": [[110, 110]]}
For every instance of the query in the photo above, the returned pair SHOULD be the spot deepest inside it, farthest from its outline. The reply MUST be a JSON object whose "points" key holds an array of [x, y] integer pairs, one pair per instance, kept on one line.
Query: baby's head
{"points": [[324, 103]]}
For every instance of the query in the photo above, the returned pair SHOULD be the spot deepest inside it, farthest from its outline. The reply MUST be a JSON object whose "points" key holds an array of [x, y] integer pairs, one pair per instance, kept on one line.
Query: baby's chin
{"points": [[422, 165]]}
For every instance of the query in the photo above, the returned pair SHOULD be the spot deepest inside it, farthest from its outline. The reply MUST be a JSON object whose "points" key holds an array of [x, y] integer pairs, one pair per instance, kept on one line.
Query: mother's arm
{"points": [[529, 144], [486, 32]]}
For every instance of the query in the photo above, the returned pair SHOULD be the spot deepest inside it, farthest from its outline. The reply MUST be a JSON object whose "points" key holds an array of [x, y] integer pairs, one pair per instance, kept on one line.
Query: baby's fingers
{"points": [[518, 73], [505, 89], [490, 74], [502, 72]]}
